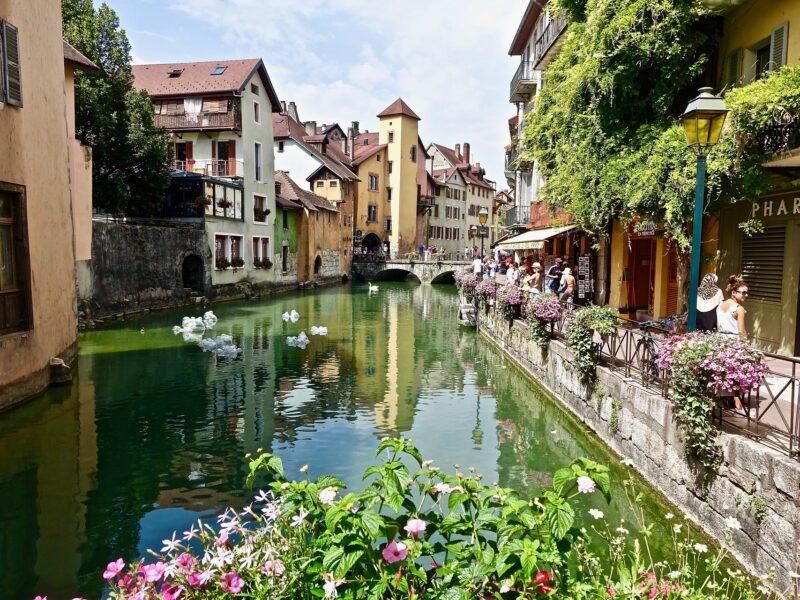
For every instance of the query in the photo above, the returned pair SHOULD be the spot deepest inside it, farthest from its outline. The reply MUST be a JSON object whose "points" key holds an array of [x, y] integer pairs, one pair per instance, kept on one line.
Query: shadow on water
{"points": [[152, 433]]}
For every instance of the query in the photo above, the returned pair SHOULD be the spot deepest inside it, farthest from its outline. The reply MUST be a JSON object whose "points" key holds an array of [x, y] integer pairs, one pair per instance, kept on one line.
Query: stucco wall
{"points": [[34, 151], [643, 430]]}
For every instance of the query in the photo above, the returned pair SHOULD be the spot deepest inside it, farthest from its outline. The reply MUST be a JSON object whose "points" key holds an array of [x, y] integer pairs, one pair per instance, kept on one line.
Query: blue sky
{"points": [[346, 60]]}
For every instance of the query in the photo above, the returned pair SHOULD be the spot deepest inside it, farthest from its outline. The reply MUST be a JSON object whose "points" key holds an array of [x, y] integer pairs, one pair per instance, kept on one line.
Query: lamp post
{"points": [[483, 216], [702, 123]]}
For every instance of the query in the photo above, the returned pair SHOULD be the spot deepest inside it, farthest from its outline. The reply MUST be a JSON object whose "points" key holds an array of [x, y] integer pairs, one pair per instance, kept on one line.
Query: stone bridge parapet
{"points": [[430, 271]]}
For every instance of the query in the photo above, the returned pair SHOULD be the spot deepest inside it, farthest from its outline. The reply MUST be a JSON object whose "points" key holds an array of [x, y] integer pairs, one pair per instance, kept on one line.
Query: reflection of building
{"points": [[45, 196]]}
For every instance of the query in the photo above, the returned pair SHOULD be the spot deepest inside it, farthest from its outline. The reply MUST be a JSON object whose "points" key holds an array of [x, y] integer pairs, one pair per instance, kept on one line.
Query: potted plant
{"points": [[222, 264], [237, 263], [224, 203], [258, 263], [266, 263], [203, 201], [259, 214]]}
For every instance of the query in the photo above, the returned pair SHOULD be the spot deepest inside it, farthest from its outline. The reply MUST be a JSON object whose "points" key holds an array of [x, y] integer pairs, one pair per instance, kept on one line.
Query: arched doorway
{"points": [[193, 273], [317, 265], [371, 243]]}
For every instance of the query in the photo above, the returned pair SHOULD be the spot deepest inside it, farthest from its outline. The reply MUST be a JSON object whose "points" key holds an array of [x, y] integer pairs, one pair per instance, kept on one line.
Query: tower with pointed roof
{"points": [[399, 130]]}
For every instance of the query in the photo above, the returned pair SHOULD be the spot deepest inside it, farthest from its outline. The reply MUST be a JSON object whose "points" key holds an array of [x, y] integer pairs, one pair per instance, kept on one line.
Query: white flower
{"points": [[597, 514], [328, 495], [677, 527], [674, 574], [622, 530], [700, 548], [586, 485], [732, 523], [330, 585], [669, 516], [189, 533], [298, 519], [170, 545]]}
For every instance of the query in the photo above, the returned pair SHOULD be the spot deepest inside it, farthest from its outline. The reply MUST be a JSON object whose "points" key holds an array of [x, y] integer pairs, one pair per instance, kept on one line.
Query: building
{"points": [[445, 221], [317, 236], [323, 156], [219, 117], [760, 37], [373, 215], [537, 42], [45, 199]]}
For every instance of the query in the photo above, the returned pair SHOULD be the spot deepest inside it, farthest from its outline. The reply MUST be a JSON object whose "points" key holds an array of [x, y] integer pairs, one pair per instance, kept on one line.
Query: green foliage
{"points": [[758, 508], [129, 153], [614, 419], [580, 338]]}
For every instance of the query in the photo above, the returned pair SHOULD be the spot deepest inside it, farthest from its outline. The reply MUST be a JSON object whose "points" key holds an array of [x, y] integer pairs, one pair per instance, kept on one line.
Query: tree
{"points": [[130, 155]]}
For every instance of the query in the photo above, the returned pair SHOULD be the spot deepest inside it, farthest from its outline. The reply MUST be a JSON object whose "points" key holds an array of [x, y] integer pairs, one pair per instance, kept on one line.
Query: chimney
{"points": [[292, 111], [283, 106], [351, 140], [311, 127], [355, 129], [466, 152], [458, 151]]}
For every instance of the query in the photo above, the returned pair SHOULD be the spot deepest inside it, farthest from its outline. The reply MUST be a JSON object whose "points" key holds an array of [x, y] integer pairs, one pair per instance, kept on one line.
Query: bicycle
{"points": [[646, 350]]}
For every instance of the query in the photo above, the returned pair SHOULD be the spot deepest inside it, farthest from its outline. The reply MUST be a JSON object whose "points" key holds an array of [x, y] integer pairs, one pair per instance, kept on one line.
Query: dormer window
{"points": [[219, 70], [175, 73]]}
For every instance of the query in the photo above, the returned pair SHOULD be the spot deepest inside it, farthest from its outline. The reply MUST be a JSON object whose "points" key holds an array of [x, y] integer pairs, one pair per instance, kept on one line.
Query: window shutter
{"points": [[190, 156], [777, 46], [232, 158], [13, 74], [762, 263], [2, 67], [733, 68]]}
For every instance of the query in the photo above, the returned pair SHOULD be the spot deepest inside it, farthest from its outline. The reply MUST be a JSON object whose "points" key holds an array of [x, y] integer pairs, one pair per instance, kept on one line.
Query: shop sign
{"points": [[777, 207], [645, 229]]}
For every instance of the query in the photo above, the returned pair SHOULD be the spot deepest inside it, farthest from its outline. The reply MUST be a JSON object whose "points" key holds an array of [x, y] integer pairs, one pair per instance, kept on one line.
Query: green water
{"points": [[152, 432]]}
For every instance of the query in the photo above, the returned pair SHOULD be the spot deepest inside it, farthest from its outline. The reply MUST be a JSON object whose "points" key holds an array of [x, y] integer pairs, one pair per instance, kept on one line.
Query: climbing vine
{"points": [[580, 338]]}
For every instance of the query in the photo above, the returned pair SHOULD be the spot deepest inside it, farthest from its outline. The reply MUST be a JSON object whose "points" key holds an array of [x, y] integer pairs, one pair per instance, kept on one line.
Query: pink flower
{"points": [[112, 570], [222, 539], [611, 592], [586, 485], [394, 552], [171, 591], [415, 527], [231, 582], [198, 579], [40, 598], [443, 488], [273, 567], [153, 573], [186, 561]]}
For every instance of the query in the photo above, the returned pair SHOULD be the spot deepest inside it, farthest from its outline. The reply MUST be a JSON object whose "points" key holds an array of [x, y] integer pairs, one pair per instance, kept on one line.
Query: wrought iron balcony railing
{"points": [[188, 122], [523, 84], [545, 42]]}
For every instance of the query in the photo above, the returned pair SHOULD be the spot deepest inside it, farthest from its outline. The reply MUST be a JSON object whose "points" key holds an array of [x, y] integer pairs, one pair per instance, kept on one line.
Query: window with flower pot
{"points": [[14, 273], [260, 209], [261, 256], [228, 251]]}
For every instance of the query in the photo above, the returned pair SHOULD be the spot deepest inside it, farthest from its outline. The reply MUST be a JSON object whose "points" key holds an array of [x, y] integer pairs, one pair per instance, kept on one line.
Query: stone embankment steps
{"points": [[638, 424]]}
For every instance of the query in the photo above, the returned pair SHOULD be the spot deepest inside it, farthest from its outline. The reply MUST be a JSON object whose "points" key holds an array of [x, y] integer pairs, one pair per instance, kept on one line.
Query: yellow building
{"points": [[373, 215], [45, 198], [399, 131]]}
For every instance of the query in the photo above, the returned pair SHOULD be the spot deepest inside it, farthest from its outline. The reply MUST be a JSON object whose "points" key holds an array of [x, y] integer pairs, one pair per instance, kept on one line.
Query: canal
{"points": [[152, 433]]}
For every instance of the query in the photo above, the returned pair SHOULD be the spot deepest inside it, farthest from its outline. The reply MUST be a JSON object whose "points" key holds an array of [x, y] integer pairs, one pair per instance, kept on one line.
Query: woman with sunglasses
{"points": [[730, 314]]}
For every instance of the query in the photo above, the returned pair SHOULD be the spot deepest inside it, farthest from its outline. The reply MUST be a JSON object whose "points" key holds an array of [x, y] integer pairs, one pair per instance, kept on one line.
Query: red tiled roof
{"points": [[284, 202], [196, 78], [449, 155], [398, 107], [78, 60], [292, 191], [525, 28], [365, 152]]}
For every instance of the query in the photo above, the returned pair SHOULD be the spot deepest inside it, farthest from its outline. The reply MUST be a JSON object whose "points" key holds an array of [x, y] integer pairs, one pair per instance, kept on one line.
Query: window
{"points": [[10, 69], [372, 213], [228, 250], [763, 256], [387, 224], [260, 250], [389, 194], [259, 162], [280, 146], [254, 89], [378, 157], [391, 137], [236, 247], [436, 210], [389, 167], [447, 212], [175, 73], [256, 112], [285, 218], [373, 182], [218, 70], [14, 276], [320, 184], [414, 153], [259, 209], [334, 183], [285, 259]]}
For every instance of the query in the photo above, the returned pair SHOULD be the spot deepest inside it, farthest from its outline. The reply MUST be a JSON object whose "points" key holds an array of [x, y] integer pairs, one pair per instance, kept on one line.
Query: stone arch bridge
{"points": [[369, 268]]}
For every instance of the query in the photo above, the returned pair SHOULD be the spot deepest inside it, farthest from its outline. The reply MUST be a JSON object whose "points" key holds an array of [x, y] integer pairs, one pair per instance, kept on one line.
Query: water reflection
{"points": [[152, 433]]}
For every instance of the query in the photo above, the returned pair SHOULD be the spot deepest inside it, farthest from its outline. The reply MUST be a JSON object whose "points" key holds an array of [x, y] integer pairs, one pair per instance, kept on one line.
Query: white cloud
{"points": [[344, 60]]}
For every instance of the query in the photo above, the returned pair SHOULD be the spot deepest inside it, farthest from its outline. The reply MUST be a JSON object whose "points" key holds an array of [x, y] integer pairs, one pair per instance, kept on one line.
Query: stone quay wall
{"points": [[638, 424]]}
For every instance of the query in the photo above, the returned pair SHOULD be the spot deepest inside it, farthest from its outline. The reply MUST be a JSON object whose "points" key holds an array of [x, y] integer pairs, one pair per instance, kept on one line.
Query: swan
{"points": [[372, 288]]}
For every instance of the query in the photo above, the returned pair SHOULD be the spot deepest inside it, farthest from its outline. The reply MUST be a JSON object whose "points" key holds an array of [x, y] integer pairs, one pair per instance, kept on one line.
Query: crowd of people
{"points": [[530, 275]]}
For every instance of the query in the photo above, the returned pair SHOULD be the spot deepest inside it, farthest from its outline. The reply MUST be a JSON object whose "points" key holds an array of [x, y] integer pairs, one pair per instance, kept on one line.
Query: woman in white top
{"points": [[730, 314]]}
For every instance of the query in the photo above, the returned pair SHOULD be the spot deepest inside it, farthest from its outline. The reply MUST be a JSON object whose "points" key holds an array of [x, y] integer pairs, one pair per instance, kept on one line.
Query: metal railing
{"points": [[781, 136], [213, 168], [548, 38], [227, 120], [524, 73], [771, 414], [519, 215]]}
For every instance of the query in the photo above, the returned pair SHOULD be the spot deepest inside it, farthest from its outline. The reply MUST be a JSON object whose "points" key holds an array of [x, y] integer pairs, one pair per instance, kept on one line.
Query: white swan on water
{"points": [[373, 289]]}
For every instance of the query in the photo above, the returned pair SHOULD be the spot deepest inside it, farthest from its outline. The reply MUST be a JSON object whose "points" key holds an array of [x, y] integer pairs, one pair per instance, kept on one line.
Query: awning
{"points": [[533, 239]]}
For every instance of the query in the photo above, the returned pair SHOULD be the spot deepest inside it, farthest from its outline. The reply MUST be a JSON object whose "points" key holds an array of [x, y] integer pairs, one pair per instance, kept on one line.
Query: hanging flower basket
{"points": [[224, 204]]}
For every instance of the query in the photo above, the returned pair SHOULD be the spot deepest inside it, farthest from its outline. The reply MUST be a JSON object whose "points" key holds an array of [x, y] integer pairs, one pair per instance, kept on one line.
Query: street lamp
{"points": [[483, 216], [702, 123]]}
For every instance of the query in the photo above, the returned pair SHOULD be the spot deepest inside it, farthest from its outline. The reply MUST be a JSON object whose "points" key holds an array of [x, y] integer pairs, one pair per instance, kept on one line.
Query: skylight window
{"points": [[175, 72], [219, 70]]}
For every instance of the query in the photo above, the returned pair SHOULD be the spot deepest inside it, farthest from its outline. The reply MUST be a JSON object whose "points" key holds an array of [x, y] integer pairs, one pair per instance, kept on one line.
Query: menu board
{"points": [[584, 276]]}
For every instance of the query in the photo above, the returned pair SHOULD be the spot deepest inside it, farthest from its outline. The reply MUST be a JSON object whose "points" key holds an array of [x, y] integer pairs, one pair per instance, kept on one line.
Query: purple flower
{"points": [[395, 552], [113, 569], [231, 582]]}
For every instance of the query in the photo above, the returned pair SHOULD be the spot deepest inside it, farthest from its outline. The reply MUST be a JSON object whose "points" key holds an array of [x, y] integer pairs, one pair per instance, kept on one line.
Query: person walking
{"points": [[553, 276], [512, 274], [569, 286], [477, 266], [709, 297], [731, 313]]}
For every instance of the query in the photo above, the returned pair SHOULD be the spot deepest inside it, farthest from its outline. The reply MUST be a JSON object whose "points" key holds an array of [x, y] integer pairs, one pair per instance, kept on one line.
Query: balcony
{"points": [[523, 84], [517, 217], [425, 202], [222, 121], [781, 136], [211, 168], [546, 47]]}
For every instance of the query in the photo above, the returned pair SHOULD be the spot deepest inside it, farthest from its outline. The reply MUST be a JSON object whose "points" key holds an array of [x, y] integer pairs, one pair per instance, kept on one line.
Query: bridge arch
{"points": [[396, 274], [444, 277]]}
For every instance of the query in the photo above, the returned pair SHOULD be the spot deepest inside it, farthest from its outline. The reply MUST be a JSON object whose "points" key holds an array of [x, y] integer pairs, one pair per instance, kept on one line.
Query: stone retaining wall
{"points": [[638, 424]]}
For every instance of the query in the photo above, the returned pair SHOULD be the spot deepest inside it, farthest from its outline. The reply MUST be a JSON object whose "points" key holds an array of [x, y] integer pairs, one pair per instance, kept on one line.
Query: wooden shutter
{"points": [[762, 263], [189, 156], [733, 68], [777, 46], [13, 73], [231, 158]]}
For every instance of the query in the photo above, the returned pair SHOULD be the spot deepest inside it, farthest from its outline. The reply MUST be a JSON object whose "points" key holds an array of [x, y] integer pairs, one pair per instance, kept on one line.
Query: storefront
{"points": [[769, 261]]}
